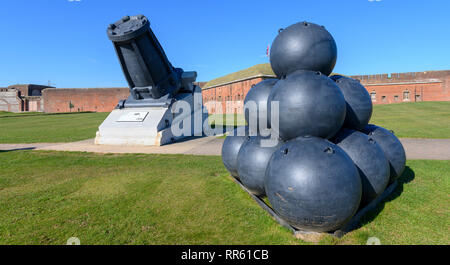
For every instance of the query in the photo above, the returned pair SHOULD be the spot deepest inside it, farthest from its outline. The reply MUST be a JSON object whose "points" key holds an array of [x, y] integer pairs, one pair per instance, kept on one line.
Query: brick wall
{"points": [[414, 92], [82, 99], [443, 76], [29, 89], [384, 89], [407, 87], [228, 98], [34, 103]]}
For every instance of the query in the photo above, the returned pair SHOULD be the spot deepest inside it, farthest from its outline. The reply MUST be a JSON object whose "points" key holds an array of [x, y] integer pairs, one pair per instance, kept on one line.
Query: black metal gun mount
{"points": [[153, 81]]}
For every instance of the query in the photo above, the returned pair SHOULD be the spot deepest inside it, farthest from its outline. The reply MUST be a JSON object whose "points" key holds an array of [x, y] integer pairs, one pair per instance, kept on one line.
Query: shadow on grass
{"points": [[228, 124], [407, 176], [17, 149], [225, 128]]}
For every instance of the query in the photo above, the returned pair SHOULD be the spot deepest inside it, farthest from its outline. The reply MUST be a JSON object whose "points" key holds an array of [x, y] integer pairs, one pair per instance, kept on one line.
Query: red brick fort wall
{"points": [[82, 99], [384, 89]]}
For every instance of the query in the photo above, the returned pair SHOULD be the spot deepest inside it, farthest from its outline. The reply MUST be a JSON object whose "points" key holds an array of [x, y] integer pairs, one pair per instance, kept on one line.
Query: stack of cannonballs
{"points": [[329, 162]]}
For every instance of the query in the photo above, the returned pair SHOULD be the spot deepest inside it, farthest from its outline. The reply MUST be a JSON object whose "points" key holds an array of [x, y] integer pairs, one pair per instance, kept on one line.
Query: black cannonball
{"points": [[370, 160], [253, 159], [359, 103], [313, 184], [256, 101], [310, 104], [303, 46], [230, 149], [392, 147]]}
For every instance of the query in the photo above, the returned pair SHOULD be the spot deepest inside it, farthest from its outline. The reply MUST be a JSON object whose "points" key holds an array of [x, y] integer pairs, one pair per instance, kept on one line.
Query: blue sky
{"points": [[65, 41]]}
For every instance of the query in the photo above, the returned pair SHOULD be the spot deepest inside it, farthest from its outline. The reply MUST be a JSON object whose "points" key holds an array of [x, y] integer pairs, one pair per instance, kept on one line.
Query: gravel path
{"points": [[436, 149]]}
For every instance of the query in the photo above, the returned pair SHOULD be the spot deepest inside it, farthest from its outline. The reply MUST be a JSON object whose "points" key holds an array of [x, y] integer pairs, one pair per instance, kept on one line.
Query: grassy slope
{"points": [[259, 69], [51, 128], [133, 199]]}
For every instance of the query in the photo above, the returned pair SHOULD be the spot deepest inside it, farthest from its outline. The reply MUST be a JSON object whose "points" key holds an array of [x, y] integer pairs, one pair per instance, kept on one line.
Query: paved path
{"points": [[195, 146], [437, 149]]}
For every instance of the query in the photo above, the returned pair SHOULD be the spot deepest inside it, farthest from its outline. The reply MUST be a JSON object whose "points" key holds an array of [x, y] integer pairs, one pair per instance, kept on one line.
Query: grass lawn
{"points": [[12, 114], [48, 197], [415, 120], [227, 119], [48, 128]]}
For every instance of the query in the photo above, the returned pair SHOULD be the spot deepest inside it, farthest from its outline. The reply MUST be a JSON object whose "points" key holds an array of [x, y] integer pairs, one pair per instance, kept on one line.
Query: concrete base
{"points": [[154, 126]]}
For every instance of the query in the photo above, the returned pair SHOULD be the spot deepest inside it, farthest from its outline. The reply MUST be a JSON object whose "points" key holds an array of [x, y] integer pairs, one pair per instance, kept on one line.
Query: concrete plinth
{"points": [[155, 126]]}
